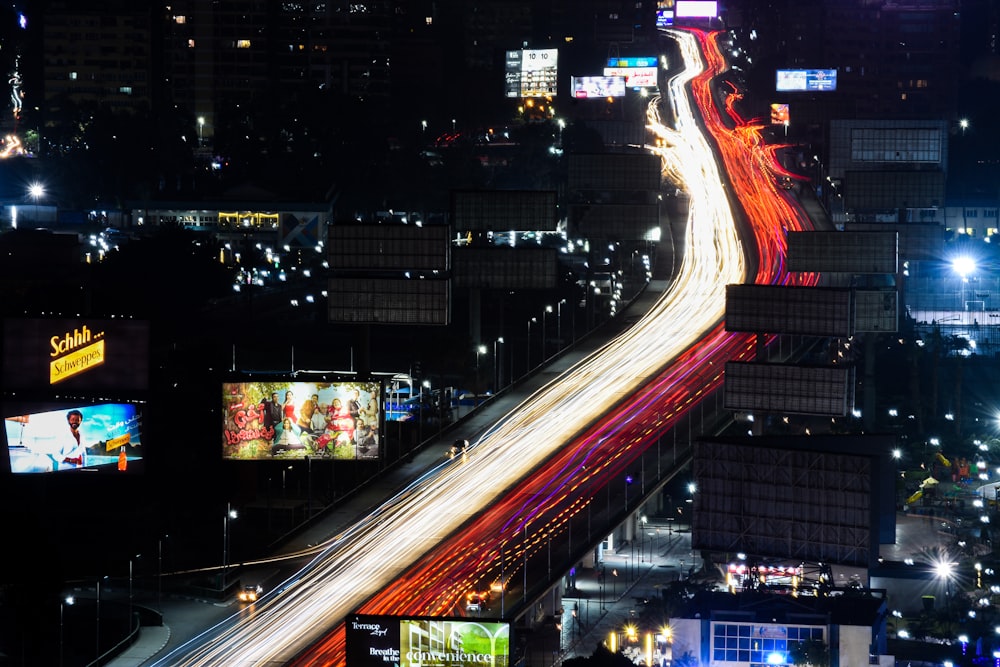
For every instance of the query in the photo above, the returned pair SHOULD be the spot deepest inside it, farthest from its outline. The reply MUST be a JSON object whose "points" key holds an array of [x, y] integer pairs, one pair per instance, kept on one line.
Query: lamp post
{"points": [[480, 350], [68, 600], [559, 340], [964, 124], [35, 191], [201, 126], [528, 345], [230, 514], [548, 309], [159, 573], [497, 366]]}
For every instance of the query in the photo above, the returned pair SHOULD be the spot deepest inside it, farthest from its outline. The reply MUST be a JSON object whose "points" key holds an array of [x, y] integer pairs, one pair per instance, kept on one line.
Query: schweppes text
{"points": [[70, 341]]}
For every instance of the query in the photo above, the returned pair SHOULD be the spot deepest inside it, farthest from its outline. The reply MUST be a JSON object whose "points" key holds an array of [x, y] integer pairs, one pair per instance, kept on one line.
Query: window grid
{"points": [[738, 642]]}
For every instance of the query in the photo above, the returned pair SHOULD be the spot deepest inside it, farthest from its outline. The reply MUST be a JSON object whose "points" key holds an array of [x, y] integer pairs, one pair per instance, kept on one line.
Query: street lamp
{"points": [[528, 346], [230, 514], [497, 366], [480, 350], [548, 309], [68, 600], [964, 124], [201, 125], [35, 191], [559, 324]]}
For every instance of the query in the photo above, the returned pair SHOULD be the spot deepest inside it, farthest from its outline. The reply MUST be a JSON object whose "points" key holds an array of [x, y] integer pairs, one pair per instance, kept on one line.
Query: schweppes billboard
{"points": [[75, 353], [79, 354]]}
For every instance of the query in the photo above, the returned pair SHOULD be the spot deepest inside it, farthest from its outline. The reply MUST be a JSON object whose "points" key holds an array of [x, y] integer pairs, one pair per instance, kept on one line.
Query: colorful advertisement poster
{"points": [[383, 641], [635, 77], [105, 436], [80, 354], [598, 86], [287, 419], [809, 80]]}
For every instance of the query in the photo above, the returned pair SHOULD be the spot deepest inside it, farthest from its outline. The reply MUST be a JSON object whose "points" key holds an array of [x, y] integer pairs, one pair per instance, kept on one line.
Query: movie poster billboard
{"points": [[82, 354], [51, 437], [779, 114], [287, 419], [393, 641]]}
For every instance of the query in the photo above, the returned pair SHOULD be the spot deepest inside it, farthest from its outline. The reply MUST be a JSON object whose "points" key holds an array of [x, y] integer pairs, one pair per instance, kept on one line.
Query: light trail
{"points": [[651, 374]]}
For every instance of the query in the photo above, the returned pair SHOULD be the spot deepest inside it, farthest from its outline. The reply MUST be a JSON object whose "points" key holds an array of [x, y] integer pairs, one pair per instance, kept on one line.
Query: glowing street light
{"points": [[230, 514], [201, 126], [68, 601], [36, 190]]}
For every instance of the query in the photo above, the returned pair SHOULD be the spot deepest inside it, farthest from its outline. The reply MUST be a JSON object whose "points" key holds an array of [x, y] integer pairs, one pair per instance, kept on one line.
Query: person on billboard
{"points": [[354, 404], [370, 412], [73, 449], [288, 439], [365, 436], [310, 407], [288, 409], [272, 413]]}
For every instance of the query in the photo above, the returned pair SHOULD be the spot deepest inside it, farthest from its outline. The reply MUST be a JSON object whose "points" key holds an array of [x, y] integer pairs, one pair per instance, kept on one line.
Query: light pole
{"points": [[68, 600], [548, 309], [528, 345], [480, 350], [497, 366], [159, 573], [964, 124], [35, 191], [201, 126], [230, 514], [559, 340]]}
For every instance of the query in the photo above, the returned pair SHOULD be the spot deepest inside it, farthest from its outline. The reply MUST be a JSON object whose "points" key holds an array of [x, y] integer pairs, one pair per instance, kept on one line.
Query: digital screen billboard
{"points": [[597, 86], [379, 641], [635, 77], [288, 419], [779, 114], [807, 80], [696, 9], [532, 73], [645, 61], [57, 437], [76, 354]]}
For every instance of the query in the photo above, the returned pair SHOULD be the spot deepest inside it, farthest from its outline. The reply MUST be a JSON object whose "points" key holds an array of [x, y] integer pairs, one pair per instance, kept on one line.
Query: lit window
{"points": [[125, 90], [190, 43], [429, 20], [72, 76], [180, 20], [243, 44]]}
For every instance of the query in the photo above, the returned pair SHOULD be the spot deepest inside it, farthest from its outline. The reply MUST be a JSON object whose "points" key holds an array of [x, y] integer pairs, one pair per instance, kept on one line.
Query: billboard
{"points": [[696, 9], [61, 437], [641, 61], [635, 77], [75, 354], [531, 73], [289, 419], [779, 114], [808, 80], [600, 87], [377, 641]]}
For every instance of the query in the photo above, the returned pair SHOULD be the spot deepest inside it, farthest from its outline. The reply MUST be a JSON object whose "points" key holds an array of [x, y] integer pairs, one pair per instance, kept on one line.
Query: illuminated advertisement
{"points": [[80, 354], [635, 77], [292, 420], [664, 18], [646, 61], [779, 114], [531, 73], [47, 438], [384, 641], [696, 9], [598, 86], [808, 80]]}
